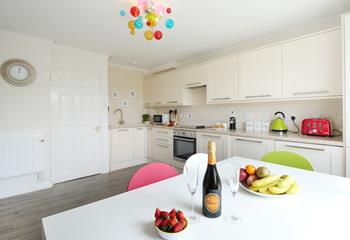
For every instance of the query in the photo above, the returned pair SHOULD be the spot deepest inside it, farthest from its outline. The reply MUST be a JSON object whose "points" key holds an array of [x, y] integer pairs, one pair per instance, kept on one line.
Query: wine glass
{"points": [[191, 173], [232, 172]]}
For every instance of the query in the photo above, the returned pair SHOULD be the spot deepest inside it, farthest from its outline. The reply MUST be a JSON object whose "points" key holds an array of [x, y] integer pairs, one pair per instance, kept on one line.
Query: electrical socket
{"points": [[190, 115]]}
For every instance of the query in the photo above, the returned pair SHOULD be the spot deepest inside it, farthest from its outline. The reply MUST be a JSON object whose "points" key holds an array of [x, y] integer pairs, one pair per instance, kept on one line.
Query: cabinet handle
{"points": [[163, 140], [139, 128], [162, 146], [246, 140], [172, 101], [312, 92], [162, 132], [306, 148], [218, 99], [158, 103], [258, 96], [192, 84], [184, 139], [211, 136], [123, 130]]}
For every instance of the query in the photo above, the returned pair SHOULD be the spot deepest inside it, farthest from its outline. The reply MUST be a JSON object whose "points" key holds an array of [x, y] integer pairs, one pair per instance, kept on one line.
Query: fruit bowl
{"points": [[170, 225], [261, 194], [172, 236]]}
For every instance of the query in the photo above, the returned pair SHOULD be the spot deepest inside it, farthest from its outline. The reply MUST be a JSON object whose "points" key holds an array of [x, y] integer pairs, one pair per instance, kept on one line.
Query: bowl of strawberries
{"points": [[170, 225]]}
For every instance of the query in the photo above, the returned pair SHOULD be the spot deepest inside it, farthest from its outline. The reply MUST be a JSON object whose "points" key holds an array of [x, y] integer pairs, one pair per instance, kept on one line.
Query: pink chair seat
{"points": [[151, 173]]}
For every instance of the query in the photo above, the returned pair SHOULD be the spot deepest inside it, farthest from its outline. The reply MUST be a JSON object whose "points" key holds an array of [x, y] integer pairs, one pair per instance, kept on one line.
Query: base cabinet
{"points": [[128, 147], [324, 159], [221, 141], [160, 146], [251, 148]]}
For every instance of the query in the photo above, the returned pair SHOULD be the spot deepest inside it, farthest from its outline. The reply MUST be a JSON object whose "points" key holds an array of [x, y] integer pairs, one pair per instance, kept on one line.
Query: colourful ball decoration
{"points": [[138, 24], [149, 35], [158, 35], [168, 10], [132, 31], [131, 24], [135, 11], [160, 9], [169, 23], [142, 4], [122, 12]]}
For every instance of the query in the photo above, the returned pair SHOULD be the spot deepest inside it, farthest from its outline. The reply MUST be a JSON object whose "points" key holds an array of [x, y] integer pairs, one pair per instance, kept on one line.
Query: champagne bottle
{"points": [[211, 186]]}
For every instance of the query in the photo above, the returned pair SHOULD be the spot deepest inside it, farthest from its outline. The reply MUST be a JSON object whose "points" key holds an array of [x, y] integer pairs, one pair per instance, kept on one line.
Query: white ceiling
{"points": [[201, 27]]}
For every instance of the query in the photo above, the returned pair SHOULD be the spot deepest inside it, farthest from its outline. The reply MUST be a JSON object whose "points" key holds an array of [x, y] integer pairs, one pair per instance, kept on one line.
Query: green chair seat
{"points": [[287, 159]]}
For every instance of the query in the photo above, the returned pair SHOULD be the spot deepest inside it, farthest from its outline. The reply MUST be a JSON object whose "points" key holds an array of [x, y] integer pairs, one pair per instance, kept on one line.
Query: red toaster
{"points": [[316, 127]]}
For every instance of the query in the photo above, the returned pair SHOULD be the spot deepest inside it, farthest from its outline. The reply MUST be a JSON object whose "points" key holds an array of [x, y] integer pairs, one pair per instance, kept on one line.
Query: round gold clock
{"points": [[18, 72]]}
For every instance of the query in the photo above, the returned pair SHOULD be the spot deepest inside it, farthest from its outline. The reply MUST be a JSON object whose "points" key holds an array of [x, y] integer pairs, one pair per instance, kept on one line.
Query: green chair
{"points": [[287, 159]]}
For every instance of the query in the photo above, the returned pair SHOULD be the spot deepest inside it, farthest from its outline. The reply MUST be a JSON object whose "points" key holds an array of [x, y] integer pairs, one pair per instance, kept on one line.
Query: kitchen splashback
{"points": [[211, 114]]}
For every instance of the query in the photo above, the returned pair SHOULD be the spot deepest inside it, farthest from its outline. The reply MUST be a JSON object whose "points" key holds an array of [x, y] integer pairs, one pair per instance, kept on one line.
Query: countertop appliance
{"points": [[316, 127], [161, 118], [185, 144], [278, 124]]}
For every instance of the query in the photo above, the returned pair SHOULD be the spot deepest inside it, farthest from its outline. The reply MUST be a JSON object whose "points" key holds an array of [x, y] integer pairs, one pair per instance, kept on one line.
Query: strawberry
{"points": [[173, 213], [157, 213], [173, 222], [164, 213], [157, 222], [178, 227], [165, 222], [180, 215]]}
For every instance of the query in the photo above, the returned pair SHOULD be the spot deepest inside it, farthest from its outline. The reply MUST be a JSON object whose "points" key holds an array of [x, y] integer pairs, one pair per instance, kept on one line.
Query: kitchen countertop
{"points": [[129, 125], [293, 137]]}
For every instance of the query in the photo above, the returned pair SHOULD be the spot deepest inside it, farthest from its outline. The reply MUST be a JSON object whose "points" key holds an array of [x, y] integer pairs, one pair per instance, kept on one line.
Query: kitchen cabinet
{"points": [[252, 148], [222, 81], [221, 141], [148, 92], [161, 144], [174, 88], [159, 89], [260, 74], [127, 147], [196, 76], [324, 159], [312, 66]]}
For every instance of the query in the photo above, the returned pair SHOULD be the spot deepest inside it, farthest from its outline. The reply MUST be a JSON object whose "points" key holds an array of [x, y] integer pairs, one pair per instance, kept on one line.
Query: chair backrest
{"points": [[151, 173], [287, 159]]}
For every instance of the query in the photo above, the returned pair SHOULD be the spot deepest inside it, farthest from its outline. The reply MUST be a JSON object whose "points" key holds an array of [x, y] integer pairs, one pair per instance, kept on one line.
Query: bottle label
{"points": [[212, 202]]}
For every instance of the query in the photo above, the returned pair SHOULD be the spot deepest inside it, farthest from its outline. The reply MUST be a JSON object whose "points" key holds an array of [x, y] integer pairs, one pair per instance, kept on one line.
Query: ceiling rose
{"points": [[147, 14]]}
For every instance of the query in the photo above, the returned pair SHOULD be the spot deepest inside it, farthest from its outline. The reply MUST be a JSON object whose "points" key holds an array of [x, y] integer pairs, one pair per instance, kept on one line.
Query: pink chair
{"points": [[151, 173]]}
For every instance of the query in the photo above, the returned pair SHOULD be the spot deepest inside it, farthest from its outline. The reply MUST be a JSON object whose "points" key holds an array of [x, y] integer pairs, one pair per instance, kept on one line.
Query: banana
{"points": [[278, 190], [286, 181], [263, 189], [293, 189], [265, 181]]}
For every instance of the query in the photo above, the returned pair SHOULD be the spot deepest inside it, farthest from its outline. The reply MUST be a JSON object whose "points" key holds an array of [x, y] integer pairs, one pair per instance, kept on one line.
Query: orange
{"points": [[250, 169]]}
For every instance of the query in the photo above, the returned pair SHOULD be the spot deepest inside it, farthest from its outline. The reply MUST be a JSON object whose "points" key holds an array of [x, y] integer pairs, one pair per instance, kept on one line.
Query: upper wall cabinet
{"points": [[312, 66], [175, 87], [260, 74], [196, 76], [148, 92], [222, 81]]}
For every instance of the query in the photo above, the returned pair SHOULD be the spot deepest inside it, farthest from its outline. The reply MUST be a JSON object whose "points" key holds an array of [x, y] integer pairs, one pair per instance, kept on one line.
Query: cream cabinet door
{"points": [[148, 92], [222, 81], [174, 88], [122, 146], [159, 89], [324, 159], [260, 74], [312, 66], [221, 142], [252, 148], [197, 76], [140, 143]]}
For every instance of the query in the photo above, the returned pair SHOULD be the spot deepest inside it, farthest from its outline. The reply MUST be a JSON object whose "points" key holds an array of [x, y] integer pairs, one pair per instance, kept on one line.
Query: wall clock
{"points": [[18, 72]]}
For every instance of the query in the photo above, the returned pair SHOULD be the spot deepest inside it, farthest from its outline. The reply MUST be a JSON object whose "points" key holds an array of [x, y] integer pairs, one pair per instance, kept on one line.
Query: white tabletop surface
{"points": [[321, 210]]}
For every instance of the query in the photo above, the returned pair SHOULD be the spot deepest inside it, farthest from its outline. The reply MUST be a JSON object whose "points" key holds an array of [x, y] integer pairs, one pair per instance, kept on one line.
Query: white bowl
{"points": [[173, 236]]}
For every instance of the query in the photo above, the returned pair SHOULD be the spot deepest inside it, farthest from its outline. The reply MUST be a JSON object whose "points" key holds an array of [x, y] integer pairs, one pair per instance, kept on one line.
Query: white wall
{"points": [[76, 60], [26, 110], [124, 80], [211, 114]]}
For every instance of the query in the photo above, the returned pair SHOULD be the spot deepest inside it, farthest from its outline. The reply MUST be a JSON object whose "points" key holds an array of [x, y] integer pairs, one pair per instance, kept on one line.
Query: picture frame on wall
{"points": [[132, 93], [114, 94]]}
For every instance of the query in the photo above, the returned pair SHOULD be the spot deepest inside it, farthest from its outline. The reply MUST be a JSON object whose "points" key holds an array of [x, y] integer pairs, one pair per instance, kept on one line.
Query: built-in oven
{"points": [[185, 144]]}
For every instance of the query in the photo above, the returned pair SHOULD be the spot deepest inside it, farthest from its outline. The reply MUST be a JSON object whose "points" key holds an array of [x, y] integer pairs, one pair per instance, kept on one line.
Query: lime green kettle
{"points": [[278, 125]]}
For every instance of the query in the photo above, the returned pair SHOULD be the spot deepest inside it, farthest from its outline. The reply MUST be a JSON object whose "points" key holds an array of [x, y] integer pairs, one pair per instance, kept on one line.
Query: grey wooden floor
{"points": [[20, 216]]}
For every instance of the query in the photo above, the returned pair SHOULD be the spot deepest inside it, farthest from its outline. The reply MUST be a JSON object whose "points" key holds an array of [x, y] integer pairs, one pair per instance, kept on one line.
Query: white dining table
{"points": [[321, 210]]}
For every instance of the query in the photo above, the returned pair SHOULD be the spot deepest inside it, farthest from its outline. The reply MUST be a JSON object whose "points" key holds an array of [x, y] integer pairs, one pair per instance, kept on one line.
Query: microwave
{"points": [[161, 118]]}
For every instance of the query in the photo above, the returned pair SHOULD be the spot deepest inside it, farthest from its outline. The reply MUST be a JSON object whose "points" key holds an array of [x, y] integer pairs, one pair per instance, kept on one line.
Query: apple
{"points": [[243, 175], [251, 179]]}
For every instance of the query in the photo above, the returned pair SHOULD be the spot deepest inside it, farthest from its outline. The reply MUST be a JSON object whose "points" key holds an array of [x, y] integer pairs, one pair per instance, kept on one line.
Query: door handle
{"points": [[246, 140], [306, 148], [224, 98], [257, 96], [312, 92]]}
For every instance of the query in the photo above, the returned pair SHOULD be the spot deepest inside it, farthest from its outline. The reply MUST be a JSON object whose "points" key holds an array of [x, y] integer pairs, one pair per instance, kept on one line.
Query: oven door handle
{"points": [[185, 139]]}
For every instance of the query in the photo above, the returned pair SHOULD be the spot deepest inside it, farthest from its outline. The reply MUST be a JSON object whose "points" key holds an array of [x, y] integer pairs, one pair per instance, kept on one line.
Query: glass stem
{"points": [[192, 212]]}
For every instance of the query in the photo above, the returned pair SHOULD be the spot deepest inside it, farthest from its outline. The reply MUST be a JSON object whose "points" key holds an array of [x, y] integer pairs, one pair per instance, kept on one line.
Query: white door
{"points": [[76, 139], [260, 74], [221, 142], [312, 66], [251, 148], [222, 80]]}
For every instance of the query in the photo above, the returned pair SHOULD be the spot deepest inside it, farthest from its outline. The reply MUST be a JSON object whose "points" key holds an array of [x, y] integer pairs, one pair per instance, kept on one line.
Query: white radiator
{"points": [[21, 155]]}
